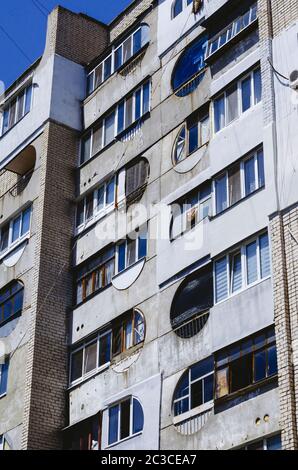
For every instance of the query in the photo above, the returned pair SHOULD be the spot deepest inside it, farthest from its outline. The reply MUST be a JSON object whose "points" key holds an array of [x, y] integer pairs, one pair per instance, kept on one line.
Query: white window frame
{"points": [[244, 195], [83, 347], [112, 55], [8, 107], [185, 4], [232, 27], [13, 244], [131, 416], [223, 94], [245, 284], [137, 259]]}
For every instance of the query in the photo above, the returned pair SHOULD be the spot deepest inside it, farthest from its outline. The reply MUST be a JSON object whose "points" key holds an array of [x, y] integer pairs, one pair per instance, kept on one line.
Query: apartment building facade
{"points": [[149, 230]]}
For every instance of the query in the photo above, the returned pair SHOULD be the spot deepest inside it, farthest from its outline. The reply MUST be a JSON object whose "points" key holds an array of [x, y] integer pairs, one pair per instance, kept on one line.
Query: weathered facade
{"points": [[149, 230]]}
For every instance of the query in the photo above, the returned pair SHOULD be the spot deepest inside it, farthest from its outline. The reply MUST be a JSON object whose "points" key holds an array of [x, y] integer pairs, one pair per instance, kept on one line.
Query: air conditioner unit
{"points": [[294, 80]]}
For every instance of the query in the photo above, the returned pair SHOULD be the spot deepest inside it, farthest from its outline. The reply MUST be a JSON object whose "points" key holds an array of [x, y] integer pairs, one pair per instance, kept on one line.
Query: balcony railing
{"points": [[195, 423], [190, 328], [191, 85]]}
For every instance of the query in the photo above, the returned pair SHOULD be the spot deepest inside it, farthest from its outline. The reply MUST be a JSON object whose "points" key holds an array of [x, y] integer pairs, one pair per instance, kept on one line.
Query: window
{"points": [[237, 99], [13, 231], [94, 275], [85, 435], [126, 113], [195, 387], [136, 175], [125, 420], [91, 356], [189, 66], [178, 6], [132, 249], [128, 332], [232, 30], [4, 377], [240, 268], [192, 136], [121, 53], [247, 363], [267, 443], [192, 301], [191, 210], [96, 203], [239, 181], [11, 301], [17, 109]]}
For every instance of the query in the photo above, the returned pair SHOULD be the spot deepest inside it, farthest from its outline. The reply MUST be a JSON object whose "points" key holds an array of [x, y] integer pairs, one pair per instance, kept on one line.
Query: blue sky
{"points": [[23, 28]]}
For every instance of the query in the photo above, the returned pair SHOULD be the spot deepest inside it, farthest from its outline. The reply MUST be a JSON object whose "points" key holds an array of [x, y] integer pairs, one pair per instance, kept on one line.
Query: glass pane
{"points": [[205, 131], [8, 309], [100, 198], [4, 377], [201, 368], [80, 213], [139, 328], [264, 255], [18, 302], [79, 292], [110, 271], [129, 111], [181, 406], [16, 229], [28, 99], [118, 57], [260, 365], [236, 272], [241, 373], [90, 357], [21, 101], [221, 194], [12, 113], [98, 75], [180, 153], [26, 216], [232, 103], [110, 192], [245, 20], [113, 424], [138, 417], [251, 261], [5, 125], [254, 12], [107, 67], [250, 177], [219, 114], [190, 63], [121, 257], [138, 105], [182, 389], [272, 361], [261, 173], [205, 208], [76, 365], [146, 98], [97, 139], [246, 94], [221, 279], [137, 41], [104, 354], [4, 237], [142, 248], [120, 125], [234, 184], [222, 383], [89, 285], [131, 252], [117, 340], [145, 32], [128, 334], [257, 86], [193, 138], [177, 9], [274, 442], [127, 49], [109, 128], [86, 147], [196, 394], [125, 419], [208, 388], [89, 206], [90, 83]]}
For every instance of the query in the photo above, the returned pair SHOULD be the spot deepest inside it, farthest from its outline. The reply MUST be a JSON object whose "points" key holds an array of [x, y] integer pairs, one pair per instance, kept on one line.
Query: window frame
{"points": [[185, 4], [9, 298], [91, 76], [244, 275], [137, 245], [131, 420], [17, 117], [89, 135], [223, 95], [186, 127], [12, 244], [258, 156], [121, 325]]}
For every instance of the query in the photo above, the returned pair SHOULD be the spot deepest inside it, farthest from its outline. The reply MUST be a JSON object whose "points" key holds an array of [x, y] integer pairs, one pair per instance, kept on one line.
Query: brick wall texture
{"points": [[127, 20]]}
